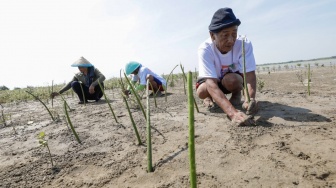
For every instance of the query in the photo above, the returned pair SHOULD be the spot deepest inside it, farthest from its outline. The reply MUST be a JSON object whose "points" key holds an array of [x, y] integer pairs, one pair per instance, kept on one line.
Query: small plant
{"points": [[149, 135], [191, 143], [108, 101], [44, 143], [69, 122], [52, 117], [299, 76], [132, 120], [184, 79], [171, 72], [3, 116], [135, 94], [260, 84], [309, 79]]}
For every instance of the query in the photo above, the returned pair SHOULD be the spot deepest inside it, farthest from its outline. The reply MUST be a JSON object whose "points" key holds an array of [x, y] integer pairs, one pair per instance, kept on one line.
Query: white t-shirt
{"points": [[213, 64], [142, 74]]}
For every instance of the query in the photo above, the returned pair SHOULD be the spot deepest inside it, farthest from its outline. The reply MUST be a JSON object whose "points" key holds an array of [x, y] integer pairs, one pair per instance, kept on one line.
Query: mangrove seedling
{"points": [[108, 101], [44, 143], [52, 117], [171, 72], [191, 143], [132, 120], [70, 123], [309, 79], [149, 135], [135, 94], [245, 83]]}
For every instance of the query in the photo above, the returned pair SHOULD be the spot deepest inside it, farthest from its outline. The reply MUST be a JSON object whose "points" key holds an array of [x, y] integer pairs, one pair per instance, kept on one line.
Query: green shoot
{"points": [[149, 141], [132, 120], [154, 94], [191, 144], [44, 143], [69, 122], [245, 84], [184, 79], [166, 89], [108, 101], [135, 94], [52, 117]]}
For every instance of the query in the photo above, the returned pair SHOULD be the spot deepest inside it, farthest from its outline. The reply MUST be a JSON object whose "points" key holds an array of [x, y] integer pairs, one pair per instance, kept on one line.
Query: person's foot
{"points": [[208, 103], [82, 102], [97, 100], [235, 99], [157, 94]]}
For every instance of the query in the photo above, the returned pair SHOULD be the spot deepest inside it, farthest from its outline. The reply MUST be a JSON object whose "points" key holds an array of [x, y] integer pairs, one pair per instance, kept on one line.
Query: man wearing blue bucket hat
{"points": [[87, 79], [221, 68]]}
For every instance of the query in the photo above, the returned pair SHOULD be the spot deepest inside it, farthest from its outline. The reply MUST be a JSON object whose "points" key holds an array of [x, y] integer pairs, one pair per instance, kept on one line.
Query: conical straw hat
{"points": [[82, 62]]}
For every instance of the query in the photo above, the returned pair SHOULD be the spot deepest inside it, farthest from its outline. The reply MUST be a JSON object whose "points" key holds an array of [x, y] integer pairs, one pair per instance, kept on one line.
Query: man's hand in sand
{"points": [[54, 94], [242, 119]]}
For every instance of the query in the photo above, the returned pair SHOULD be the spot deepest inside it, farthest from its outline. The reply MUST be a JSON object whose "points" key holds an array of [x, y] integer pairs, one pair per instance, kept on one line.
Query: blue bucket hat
{"points": [[223, 18]]}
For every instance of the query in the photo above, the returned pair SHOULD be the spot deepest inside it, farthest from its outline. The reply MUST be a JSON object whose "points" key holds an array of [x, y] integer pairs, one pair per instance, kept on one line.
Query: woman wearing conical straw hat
{"points": [[86, 80]]}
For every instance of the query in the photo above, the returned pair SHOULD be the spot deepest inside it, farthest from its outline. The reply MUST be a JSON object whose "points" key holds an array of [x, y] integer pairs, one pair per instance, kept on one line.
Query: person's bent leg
{"points": [[154, 85], [75, 85], [233, 82], [203, 93]]}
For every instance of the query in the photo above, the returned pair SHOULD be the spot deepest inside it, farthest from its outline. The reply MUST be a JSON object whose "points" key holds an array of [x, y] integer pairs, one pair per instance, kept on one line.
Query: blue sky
{"points": [[40, 39]]}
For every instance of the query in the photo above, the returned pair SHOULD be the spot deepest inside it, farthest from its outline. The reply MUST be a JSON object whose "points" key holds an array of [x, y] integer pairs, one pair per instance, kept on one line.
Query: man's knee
{"points": [[233, 82], [202, 91]]}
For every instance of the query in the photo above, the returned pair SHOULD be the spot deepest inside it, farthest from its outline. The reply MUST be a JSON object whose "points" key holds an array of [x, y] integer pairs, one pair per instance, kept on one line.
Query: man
{"points": [[86, 80], [141, 74], [221, 68]]}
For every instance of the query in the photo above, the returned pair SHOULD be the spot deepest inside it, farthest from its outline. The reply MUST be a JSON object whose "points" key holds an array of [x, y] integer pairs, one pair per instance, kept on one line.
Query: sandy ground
{"points": [[293, 145]]}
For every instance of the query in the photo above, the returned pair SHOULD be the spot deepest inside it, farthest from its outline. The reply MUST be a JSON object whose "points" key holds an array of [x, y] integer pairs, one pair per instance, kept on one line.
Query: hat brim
{"points": [[81, 65]]}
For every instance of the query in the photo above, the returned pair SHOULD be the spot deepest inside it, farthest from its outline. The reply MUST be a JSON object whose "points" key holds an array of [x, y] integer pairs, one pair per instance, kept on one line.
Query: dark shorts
{"points": [[221, 87], [159, 84]]}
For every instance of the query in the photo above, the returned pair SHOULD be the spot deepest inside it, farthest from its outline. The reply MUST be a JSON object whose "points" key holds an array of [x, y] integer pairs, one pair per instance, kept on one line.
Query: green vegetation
{"points": [[132, 120], [52, 117], [69, 122], [108, 101], [44, 143]]}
